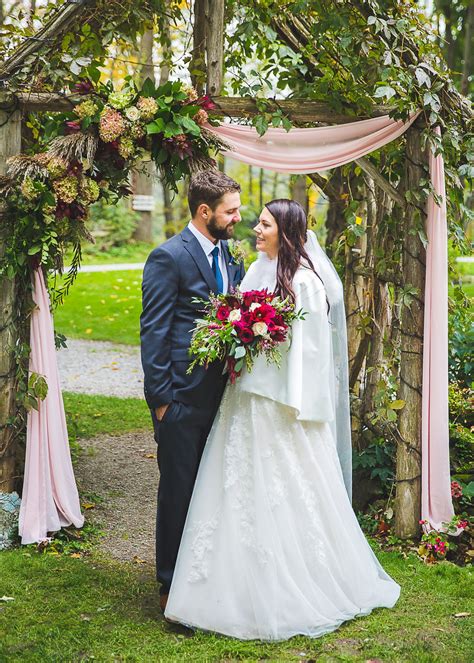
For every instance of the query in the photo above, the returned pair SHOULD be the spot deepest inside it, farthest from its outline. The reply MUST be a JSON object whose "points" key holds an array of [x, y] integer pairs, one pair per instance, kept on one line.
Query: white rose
{"points": [[259, 328], [132, 113], [254, 306], [234, 315]]}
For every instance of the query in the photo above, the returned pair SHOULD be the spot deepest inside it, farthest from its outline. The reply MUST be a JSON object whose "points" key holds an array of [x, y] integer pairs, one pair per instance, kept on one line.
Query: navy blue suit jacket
{"points": [[174, 273]]}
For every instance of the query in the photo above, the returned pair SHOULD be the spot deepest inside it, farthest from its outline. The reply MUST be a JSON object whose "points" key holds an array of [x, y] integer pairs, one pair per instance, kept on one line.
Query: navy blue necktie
{"points": [[216, 269]]}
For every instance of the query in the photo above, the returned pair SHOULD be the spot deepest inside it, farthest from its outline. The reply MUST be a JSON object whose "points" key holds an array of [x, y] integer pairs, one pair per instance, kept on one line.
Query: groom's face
{"points": [[221, 221]]}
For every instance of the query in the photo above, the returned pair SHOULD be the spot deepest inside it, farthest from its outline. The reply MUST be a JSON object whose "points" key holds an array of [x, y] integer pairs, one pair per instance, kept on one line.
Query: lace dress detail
{"points": [[271, 546]]}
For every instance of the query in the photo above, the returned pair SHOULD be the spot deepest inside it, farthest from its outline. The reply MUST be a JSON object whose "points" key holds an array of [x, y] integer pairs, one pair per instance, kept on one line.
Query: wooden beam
{"points": [[215, 46], [301, 111], [369, 168], [59, 22]]}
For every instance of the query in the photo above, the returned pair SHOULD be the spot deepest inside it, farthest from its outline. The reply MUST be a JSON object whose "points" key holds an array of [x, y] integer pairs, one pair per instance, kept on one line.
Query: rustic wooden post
{"points": [[214, 45], [142, 179], [10, 144], [197, 65], [408, 472]]}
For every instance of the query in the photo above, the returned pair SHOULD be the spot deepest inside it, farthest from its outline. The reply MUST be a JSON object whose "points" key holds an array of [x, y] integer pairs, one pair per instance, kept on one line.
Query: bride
{"points": [[272, 547]]}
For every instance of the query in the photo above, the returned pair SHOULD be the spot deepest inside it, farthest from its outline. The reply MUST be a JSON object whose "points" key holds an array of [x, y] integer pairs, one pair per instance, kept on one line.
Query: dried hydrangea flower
{"points": [[66, 188], [147, 107], [112, 125], [86, 109], [120, 100], [126, 147], [201, 117], [89, 190], [190, 92], [28, 189]]}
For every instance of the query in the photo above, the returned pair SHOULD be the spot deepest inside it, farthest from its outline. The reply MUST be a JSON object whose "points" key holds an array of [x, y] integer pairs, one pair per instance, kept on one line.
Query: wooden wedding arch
{"points": [[208, 46]]}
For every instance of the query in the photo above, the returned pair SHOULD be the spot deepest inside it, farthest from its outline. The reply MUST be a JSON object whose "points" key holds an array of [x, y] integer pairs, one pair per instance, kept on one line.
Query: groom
{"points": [[192, 264]]}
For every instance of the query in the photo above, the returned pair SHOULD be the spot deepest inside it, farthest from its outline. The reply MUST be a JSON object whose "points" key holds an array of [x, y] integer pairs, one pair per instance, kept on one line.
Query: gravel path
{"points": [[122, 471], [100, 367]]}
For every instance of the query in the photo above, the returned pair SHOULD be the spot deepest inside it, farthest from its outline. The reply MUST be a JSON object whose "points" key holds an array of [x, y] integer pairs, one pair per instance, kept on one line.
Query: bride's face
{"points": [[267, 234]]}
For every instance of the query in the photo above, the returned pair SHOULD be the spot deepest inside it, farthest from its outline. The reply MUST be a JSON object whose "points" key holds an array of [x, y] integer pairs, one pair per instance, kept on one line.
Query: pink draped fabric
{"points": [[436, 502], [50, 499], [311, 150]]}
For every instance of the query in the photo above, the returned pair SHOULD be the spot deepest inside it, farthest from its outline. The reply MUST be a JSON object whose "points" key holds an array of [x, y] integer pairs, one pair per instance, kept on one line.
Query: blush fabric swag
{"points": [[49, 503]]}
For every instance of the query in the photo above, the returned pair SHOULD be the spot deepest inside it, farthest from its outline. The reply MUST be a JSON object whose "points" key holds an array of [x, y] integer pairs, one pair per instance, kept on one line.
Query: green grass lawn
{"points": [[95, 609], [133, 252], [106, 306], [89, 415], [103, 306]]}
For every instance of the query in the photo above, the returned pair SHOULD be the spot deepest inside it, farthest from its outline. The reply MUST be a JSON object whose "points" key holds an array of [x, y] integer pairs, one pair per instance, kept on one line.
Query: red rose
{"points": [[223, 312], [264, 313], [251, 296], [232, 301], [245, 334]]}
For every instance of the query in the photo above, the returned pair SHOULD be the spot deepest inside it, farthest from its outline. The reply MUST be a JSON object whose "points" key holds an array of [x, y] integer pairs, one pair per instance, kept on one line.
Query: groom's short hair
{"points": [[209, 186]]}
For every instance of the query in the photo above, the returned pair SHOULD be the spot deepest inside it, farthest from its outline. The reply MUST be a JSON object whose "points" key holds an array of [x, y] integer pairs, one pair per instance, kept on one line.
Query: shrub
{"points": [[111, 225]]}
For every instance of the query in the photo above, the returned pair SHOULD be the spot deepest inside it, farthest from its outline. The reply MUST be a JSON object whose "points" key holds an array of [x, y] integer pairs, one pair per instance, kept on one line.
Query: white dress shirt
{"points": [[208, 246]]}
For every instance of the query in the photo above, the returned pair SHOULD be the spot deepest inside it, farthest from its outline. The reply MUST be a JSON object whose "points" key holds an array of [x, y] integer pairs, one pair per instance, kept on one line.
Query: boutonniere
{"points": [[237, 251]]}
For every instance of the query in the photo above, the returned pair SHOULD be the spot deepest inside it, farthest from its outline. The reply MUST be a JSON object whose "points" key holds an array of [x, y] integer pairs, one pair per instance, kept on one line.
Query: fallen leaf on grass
{"points": [[6, 598], [85, 618], [462, 614], [88, 505], [75, 555], [88, 331]]}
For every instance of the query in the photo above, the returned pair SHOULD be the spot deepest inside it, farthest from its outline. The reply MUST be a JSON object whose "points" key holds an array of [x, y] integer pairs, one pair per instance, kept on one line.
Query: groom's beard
{"points": [[217, 232]]}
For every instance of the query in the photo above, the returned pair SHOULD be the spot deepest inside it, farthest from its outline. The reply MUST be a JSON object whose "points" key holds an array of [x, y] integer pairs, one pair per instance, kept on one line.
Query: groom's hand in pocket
{"points": [[161, 411]]}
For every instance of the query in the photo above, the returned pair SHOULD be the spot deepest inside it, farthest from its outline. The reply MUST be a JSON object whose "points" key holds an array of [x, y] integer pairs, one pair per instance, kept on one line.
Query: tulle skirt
{"points": [[271, 546]]}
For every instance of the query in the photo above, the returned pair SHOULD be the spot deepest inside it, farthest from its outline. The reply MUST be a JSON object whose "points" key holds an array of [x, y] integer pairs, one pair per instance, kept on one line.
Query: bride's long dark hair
{"points": [[290, 218]]}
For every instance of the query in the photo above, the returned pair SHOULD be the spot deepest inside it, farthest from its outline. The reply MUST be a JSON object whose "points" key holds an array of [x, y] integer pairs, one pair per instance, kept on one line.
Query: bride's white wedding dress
{"points": [[271, 546]]}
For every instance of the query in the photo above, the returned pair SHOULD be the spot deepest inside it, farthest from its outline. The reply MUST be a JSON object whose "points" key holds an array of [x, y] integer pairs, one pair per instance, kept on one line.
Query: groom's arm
{"points": [[159, 295]]}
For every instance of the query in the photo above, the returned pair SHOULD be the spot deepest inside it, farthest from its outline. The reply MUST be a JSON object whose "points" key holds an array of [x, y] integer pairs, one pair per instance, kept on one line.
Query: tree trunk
{"points": [[197, 64], [142, 181], [468, 48], [299, 191], [378, 204], [215, 45], [408, 472], [10, 144]]}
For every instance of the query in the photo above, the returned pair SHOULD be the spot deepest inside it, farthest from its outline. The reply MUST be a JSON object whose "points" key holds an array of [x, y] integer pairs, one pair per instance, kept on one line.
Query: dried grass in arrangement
{"points": [[75, 147], [21, 166], [201, 162]]}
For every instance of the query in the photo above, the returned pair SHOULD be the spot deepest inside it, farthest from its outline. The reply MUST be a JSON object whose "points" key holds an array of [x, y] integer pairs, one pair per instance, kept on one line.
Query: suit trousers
{"points": [[181, 436]]}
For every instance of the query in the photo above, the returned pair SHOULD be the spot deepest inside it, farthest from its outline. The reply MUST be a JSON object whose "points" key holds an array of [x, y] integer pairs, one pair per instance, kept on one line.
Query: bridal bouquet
{"points": [[239, 326]]}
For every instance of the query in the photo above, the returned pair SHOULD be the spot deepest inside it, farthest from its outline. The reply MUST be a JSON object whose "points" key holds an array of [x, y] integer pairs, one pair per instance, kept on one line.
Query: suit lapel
{"points": [[195, 250]]}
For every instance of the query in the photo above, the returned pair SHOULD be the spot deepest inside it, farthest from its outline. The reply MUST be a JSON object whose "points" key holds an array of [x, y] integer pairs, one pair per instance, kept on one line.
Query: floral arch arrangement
{"points": [[89, 156]]}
